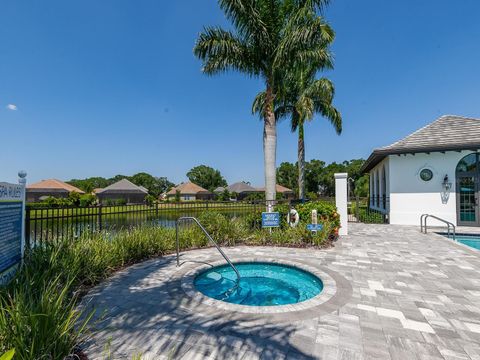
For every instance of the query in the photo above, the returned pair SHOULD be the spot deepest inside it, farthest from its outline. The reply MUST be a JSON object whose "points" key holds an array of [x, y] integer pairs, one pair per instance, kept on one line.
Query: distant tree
{"points": [[155, 185], [313, 171], [206, 177], [287, 175], [177, 195], [224, 195]]}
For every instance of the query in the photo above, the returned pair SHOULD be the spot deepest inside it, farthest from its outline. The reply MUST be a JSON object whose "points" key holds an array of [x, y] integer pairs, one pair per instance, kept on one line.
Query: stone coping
{"points": [[329, 299]]}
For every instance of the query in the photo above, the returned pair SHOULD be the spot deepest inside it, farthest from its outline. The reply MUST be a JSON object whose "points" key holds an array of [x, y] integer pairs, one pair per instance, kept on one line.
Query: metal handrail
{"points": [[423, 226], [185, 218]]}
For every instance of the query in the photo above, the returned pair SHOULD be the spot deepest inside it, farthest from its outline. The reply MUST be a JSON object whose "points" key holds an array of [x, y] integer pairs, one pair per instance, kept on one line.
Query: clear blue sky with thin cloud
{"points": [[99, 88]]}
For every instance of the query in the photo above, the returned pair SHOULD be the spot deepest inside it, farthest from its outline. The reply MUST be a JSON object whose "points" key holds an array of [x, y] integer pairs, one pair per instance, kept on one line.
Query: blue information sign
{"points": [[11, 228], [314, 227], [270, 219]]}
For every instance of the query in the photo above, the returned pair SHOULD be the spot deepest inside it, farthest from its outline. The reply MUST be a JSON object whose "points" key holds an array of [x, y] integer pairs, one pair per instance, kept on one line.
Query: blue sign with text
{"points": [[270, 219], [315, 227]]}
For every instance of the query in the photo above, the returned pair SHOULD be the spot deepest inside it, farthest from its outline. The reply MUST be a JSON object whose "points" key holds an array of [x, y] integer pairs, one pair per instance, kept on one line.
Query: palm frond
{"points": [[246, 18], [222, 50]]}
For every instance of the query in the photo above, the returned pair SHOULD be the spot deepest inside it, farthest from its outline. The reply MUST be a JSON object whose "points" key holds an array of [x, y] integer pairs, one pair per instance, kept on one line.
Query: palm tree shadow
{"points": [[141, 311]]}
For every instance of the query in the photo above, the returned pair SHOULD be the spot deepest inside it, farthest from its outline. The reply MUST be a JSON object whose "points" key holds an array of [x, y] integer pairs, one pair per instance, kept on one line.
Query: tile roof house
{"points": [[280, 189], [434, 170], [50, 188], [122, 191], [189, 192]]}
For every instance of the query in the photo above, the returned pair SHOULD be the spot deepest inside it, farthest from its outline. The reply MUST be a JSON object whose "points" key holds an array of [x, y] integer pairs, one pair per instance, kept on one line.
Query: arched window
{"points": [[468, 164]]}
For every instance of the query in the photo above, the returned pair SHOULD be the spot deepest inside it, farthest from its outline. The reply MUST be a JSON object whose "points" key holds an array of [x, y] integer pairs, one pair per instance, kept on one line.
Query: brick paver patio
{"points": [[400, 295]]}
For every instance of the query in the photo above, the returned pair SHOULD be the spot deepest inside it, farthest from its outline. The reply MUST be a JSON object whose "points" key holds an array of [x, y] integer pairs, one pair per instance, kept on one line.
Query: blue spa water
{"points": [[261, 284]]}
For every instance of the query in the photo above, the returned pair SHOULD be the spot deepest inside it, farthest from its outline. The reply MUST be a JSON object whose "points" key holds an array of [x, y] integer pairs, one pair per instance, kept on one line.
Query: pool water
{"points": [[261, 284], [470, 240]]}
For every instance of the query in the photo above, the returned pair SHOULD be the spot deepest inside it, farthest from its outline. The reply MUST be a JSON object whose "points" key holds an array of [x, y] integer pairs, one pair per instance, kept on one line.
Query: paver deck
{"points": [[401, 295]]}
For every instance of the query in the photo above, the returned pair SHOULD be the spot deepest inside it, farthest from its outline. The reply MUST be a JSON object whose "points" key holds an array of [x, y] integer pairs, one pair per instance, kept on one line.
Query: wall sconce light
{"points": [[446, 185]]}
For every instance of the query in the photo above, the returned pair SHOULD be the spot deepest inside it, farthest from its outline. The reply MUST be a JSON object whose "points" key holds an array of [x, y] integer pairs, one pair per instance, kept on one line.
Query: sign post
{"points": [[12, 223]]}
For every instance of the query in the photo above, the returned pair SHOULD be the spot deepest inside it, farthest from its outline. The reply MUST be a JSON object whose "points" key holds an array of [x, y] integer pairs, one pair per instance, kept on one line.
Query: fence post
{"points": [[156, 210], [357, 208], [100, 217], [27, 229]]}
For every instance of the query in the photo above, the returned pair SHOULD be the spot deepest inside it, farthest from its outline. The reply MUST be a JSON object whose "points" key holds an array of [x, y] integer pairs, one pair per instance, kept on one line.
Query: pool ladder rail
{"points": [[195, 220], [423, 224]]}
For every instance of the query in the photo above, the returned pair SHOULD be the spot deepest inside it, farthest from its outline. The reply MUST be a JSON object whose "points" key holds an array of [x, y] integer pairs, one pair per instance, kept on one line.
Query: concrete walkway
{"points": [[400, 295]]}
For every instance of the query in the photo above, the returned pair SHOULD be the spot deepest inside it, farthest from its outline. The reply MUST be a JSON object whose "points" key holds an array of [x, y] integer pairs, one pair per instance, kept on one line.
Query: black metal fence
{"points": [[369, 210], [50, 224]]}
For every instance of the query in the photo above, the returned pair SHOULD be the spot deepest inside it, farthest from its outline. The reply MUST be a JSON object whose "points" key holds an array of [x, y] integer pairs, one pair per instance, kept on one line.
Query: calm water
{"points": [[472, 241], [261, 284]]}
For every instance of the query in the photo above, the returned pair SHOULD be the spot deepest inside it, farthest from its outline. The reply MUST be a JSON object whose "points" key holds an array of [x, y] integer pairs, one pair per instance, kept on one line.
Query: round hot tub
{"points": [[261, 284]]}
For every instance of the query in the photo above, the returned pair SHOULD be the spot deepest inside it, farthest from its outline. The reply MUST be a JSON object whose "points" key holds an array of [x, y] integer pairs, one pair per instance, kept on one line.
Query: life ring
{"points": [[293, 218]]}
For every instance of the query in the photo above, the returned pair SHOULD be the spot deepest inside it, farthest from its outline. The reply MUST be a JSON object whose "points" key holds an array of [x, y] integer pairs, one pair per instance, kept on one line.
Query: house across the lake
{"points": [[189, 192], [240, 190], [123, 191], [435, 170], [50, 188], [285, 192]]}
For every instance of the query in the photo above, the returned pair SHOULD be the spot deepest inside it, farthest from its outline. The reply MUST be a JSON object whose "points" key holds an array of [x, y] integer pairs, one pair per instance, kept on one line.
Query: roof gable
{"points": [[54, 184], [123, 185], [188, 188], [447, 133], [240, 187]]}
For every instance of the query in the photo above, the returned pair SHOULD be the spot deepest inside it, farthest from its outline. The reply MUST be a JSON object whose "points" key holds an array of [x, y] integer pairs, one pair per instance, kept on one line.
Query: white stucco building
{"points": [[433, 171]]}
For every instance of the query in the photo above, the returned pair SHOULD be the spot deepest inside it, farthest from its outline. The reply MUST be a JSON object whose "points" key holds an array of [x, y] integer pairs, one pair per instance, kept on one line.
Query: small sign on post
{"points": [[270, 219], [12, 222], [315, 227]]}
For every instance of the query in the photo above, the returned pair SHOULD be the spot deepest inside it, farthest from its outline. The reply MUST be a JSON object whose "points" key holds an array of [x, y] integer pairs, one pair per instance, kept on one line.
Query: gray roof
{"points": [[447, 133], [123, 185], [219, 189], [241, 187]]}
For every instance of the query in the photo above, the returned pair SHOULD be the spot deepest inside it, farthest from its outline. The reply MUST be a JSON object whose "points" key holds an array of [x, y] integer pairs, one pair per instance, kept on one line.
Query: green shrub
{"points": [[39, 316]]}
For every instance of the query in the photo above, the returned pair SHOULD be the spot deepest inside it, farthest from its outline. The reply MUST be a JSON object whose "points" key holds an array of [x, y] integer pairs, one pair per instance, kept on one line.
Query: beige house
{"points": [[50, 188], [189, 192]]}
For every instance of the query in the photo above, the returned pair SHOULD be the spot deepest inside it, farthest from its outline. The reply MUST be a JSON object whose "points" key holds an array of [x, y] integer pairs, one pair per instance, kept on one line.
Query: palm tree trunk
{"points": [[269, 147], [301, 161]]}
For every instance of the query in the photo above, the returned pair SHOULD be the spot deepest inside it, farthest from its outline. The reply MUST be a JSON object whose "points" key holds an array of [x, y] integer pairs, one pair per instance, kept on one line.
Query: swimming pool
{"points": [[470, 240], [261, 284]]}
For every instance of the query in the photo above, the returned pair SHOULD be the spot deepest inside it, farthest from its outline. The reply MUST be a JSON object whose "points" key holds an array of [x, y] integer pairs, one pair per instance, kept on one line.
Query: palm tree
{"points": [[303, 97], [270, 38]]}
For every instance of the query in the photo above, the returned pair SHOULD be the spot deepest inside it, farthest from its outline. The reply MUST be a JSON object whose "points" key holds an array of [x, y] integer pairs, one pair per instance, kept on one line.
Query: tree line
{"points": [[318, 180]]}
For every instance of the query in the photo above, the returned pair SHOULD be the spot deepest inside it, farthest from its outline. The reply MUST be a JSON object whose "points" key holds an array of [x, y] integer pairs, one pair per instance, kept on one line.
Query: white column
{"points": [[341, 201]]}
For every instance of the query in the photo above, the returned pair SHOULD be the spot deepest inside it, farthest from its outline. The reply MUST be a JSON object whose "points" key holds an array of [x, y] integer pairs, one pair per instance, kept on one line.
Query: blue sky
{"points": [[112, 87]]}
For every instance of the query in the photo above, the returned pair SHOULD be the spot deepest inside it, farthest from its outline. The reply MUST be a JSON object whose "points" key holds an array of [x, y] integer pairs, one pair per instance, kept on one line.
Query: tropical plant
{"points": [[8, 355], [269, 39], [303, 97]]}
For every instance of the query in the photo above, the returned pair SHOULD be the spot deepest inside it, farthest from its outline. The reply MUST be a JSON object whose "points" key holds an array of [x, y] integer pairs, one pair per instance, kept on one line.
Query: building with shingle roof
{"points": [[241, 190], [50, 188], [189, 191], [435, 170], [123, 191]]}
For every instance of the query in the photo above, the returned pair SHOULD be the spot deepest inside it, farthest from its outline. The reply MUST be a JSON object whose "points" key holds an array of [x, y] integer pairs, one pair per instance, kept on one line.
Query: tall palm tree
{"points": [[270, 38], [302, 97]]}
